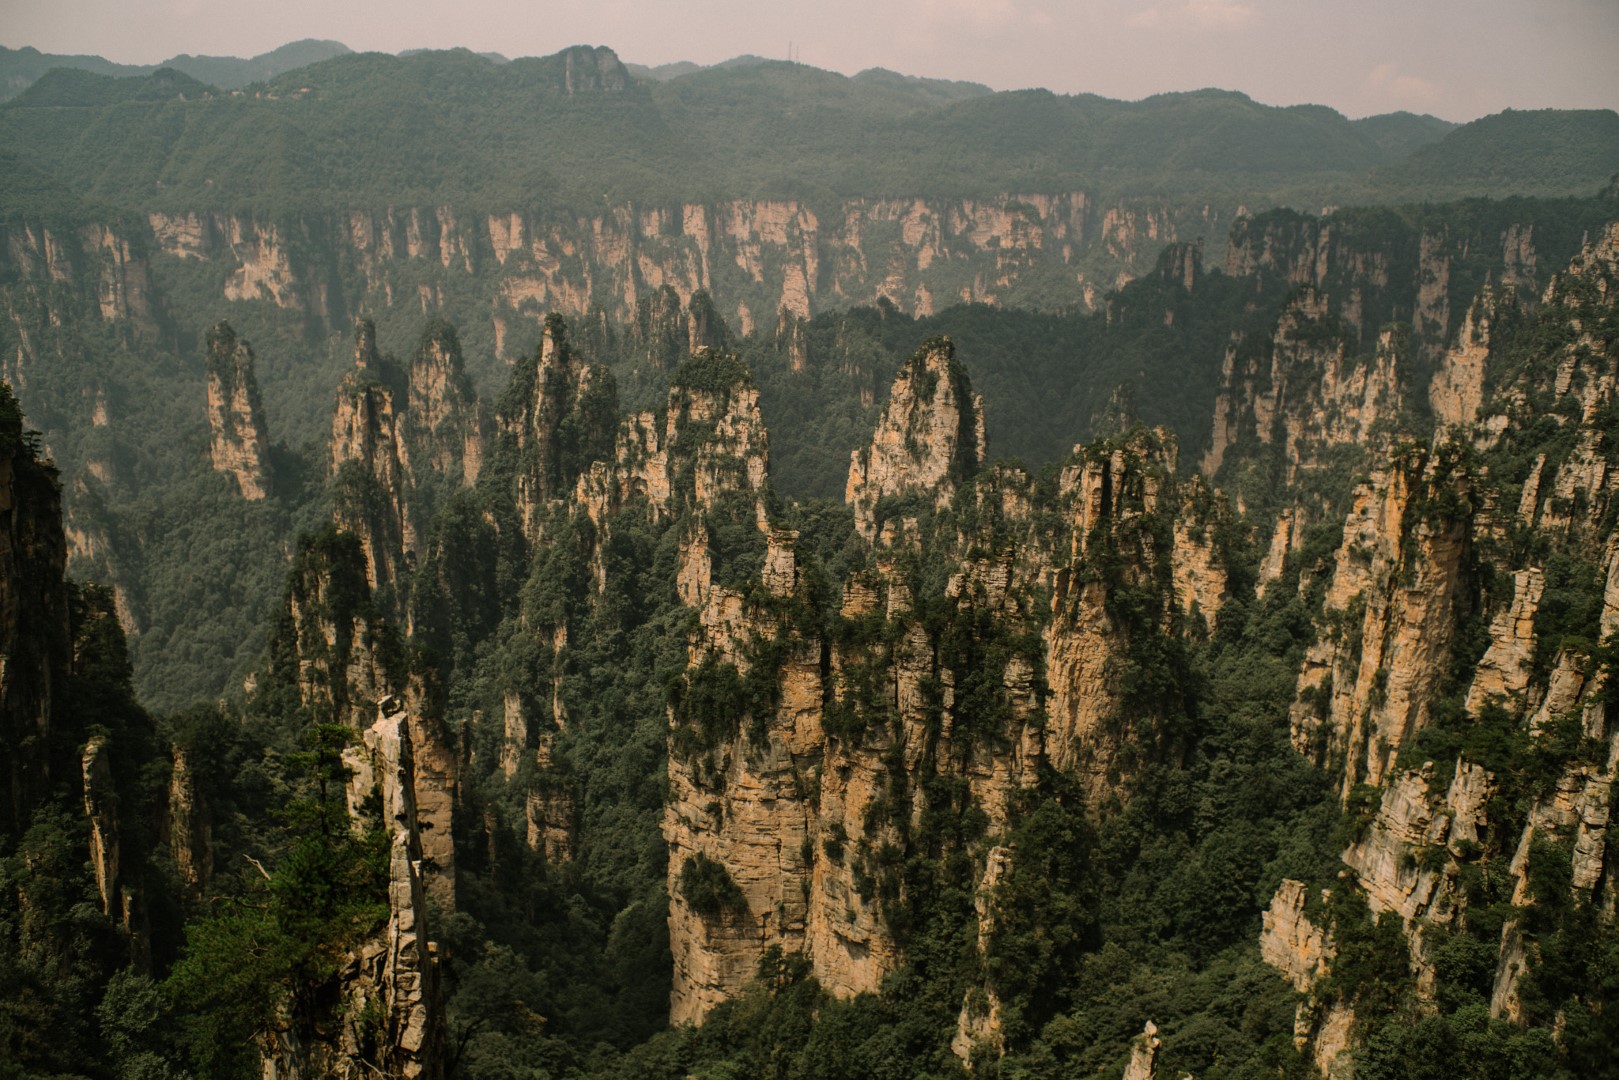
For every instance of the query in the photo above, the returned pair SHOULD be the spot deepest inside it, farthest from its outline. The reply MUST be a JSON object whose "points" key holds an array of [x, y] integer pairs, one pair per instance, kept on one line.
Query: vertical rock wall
{"points": [[238, 441]]}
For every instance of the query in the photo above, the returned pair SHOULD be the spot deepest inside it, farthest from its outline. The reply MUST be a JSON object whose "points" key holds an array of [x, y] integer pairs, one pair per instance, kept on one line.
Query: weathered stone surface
{"points": [[444, 425], [368, 439], [1503, 673], [1457, 391], [189, 829], [35, 643], [1290, 942], [904, 249], [979, 1024], [929, 439], [1332, 1042], [1399, 574], [238, 443], [390, 1019], [1384, 860], [1143, 1055], [389, 1014], [101, 807], [1112, 494]]}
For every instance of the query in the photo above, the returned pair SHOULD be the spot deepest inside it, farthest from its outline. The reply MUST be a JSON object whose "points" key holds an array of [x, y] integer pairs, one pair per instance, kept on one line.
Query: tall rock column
{"points": [[345, 664], [1139, 567], [35, 640], [558, 415], [238, 442], [745, 733], [929, 439], [370, 462], [444, 422]]}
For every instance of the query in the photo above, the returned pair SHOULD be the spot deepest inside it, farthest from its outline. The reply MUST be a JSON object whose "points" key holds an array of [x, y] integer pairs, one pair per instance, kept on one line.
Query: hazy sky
{"points": [[1455, 58]]}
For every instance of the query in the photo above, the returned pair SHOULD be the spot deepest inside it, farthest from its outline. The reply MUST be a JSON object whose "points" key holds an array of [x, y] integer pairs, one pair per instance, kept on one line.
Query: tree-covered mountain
{"points": [[21, 68], [457, 127]]}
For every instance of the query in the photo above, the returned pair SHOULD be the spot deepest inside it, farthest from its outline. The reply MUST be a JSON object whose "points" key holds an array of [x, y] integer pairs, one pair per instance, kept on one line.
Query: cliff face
{"points": [[929, 438], [1120, 496], [1328, 372], [35, 642], [668, 327], [347, 663], [444, 423], [1375, 267], [1393, 603], [1437, 624], [1305, 390], [96, 272], [368, 442], [238, 442], [759, 256]]}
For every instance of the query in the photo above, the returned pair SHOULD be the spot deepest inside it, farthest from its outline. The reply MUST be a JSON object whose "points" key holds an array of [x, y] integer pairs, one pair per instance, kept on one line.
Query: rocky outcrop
{"points": [[1116, 495], [188, 831], [1291, 942], [800, 766], [370, 462], [586, 70], [1503, 673], [345, 661], [35, 640], [755, 256], [1404, 862], [1303, 951], [737, 823], [58, 275], [1457, 391], [1433, 540], [930, 439], [979, 1024], [443, 427], [263, 268], [1143, 1064], [345, 664], [558, 416], [707, 444], [1582, 377], [1307, 389], [1379, 268], [1391, 606], [101, 807], [238, 442], [670, 328], [400, 442], [389, 1017]]}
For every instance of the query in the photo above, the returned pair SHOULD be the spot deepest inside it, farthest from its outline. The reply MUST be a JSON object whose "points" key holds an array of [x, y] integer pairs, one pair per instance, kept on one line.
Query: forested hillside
{"points": [[21, 68], [565, 131]]}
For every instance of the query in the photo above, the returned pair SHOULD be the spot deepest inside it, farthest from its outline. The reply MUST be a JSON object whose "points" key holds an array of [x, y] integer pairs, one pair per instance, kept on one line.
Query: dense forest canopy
{"points": [[456, 127]]}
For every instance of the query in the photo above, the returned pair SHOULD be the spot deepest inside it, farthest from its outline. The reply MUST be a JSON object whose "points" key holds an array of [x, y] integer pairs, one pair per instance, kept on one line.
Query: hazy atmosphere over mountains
{"points": [[1027, 540], [1458, 59]]}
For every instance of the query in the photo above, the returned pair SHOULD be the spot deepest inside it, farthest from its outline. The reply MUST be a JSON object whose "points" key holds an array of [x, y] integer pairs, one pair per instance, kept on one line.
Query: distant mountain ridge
{"points": [[22, 68], [745, 129]]}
